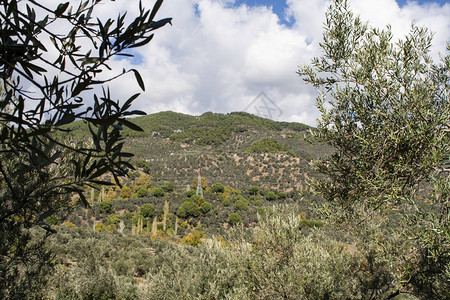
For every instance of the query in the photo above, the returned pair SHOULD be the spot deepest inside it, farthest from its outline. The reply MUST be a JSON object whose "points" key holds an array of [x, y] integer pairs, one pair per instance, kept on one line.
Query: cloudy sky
{"points": [[220, 55]]}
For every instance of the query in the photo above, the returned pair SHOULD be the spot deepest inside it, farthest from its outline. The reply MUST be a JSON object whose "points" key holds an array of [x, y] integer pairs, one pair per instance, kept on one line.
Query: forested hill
{"points": [[207, 129], [237, 149]]}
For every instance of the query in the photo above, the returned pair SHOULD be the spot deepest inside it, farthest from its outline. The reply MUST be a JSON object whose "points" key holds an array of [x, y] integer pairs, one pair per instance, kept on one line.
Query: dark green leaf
{"points": [[130, 125], [61, 8], [155, 9], [139, 79]]}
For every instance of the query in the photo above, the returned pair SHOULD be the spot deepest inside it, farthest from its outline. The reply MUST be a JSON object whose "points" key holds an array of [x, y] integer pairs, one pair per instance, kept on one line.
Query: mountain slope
{"points": [[176, 146]]}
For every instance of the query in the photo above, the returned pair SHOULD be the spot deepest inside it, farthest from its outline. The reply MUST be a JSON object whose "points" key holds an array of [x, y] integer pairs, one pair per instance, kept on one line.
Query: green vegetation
{"points": [[387, 114], [372, 226], [234, 219], [158, 192], [189, 209], [270, 196], [207, 129], [241, 204], [147, 210], [142, 192], [205, 207], [105, 206], [253, 190], [217, 188], [44, 89], [168, 187], [268, 145]]}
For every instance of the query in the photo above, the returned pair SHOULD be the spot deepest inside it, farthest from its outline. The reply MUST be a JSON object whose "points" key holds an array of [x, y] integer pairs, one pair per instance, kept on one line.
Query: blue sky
{"points": [[440, 2], [279, 6]]}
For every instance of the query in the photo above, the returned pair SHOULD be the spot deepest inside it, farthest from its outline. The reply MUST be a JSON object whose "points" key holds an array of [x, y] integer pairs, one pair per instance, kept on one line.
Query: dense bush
{"points": [[196, 198], [226, 202], [190, 193], [310, 223], [253, 190], [191, 209], [271, 196], [147, 210], [158, 192], [105, 206], [234, 219], [206, 206], [282, 195], [114, 219], [241, 204], [181, 212], [209, 271], [168, 187], [275, 258], [268, 145], [142, 192], [193, 238], [217, 188], [125, 192], [284, 263]]}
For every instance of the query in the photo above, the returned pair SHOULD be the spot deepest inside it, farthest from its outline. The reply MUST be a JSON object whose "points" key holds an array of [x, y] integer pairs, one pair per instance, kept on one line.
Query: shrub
{"points": [[271, 196], [310, 223], [193, 238], [111, 195], [52, 220], [268, 145], [181, 212], [147, 210], [258, 202], [137, 217], [253, 190], [141, 163], [168, 187], [196, 198], [158, 192], [99, 227], [324, 268], [226, 202], [143, 182], [192, 209], [114, 219], [262, 211], [218, 188], [69, 224], [105, 206], [125, 192], [241, 204], [190, 193], [282, 195], [206, 206], [234, 219], [187, 200], [142, 192], [128, 215]]}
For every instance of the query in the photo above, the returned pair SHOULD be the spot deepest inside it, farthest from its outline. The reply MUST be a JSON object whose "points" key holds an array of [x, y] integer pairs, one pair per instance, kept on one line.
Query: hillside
{"points": [[248, 165], [256, 161], [220, 146], [175, 146]]}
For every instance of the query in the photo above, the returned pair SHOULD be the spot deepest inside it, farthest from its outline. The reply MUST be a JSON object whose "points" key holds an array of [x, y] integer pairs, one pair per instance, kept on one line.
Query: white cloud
{"points": [[218, 58]]}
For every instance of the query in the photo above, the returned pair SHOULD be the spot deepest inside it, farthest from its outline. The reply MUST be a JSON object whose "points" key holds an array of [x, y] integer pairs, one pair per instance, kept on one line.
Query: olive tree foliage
{"points": [[385, 110], [48, 80]]}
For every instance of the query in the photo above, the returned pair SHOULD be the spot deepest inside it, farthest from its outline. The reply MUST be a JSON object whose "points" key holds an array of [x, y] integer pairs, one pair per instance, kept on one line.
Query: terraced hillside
{"points": [[176, 146]]}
